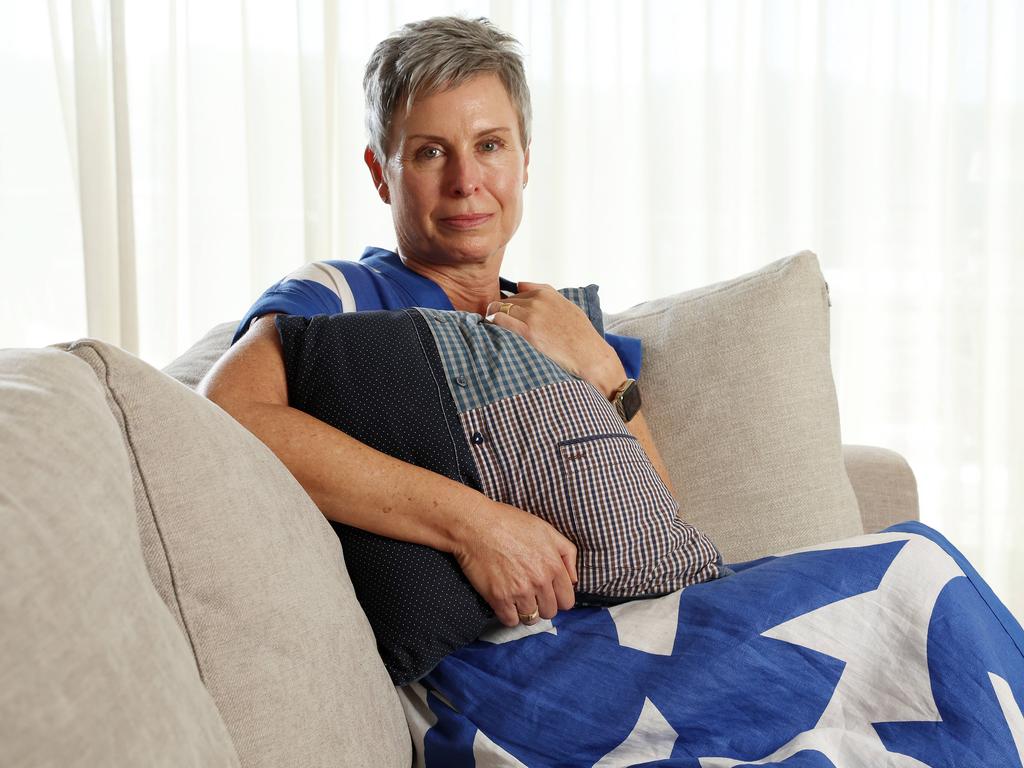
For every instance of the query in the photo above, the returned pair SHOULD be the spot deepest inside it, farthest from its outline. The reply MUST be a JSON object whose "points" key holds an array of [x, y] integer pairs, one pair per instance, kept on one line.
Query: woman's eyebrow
{"points": [[442, 139]]}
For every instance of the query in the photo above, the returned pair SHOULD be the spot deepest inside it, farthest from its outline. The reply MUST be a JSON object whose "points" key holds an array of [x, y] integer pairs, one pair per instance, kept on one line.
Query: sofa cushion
{"points": [[93, 670], [738, 392], [253, 571]]}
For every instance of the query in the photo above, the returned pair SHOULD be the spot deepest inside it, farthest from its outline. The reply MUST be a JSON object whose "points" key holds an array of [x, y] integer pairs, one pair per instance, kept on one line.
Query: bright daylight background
{"points": [[163, 161]]}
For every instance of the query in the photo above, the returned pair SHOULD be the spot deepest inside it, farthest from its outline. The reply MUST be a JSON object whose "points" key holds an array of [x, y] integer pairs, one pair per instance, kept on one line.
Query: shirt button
{"points": [[461, 381], [477, 438]]}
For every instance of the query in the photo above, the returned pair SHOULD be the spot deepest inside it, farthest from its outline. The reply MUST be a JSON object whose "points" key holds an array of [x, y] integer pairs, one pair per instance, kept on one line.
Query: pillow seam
{"points": [[730, 286], [149, 502]]}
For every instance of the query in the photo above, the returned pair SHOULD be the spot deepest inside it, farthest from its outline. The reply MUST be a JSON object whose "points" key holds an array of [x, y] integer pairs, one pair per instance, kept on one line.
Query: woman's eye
{"points": [[490, 146], [430, 153]]}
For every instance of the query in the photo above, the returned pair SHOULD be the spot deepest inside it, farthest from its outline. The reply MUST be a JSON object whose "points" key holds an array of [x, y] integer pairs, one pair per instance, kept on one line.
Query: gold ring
{"points": [[529, 618], [506, 308]]}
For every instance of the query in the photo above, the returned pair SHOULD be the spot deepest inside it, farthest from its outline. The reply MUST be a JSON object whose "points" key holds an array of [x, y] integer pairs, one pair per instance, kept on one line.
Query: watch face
{"points": [[631, 400], [628, 402]]}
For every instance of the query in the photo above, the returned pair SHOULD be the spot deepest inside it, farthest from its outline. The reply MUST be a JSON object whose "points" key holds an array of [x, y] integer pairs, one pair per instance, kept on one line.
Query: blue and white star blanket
{"points": [[882, 650]]}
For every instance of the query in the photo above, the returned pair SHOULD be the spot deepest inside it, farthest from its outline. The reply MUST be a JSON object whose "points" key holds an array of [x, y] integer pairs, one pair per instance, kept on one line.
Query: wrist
{"points": [[461, 528], [609, 376], [627, 400]]}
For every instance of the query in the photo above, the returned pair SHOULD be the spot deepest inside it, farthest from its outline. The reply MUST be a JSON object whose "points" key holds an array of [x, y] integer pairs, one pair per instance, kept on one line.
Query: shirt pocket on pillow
{"points": [[623, 514]]}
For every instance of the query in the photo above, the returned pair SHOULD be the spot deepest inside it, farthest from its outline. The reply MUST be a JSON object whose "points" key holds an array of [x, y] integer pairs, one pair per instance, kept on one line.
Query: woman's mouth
{"points": [[466, 220]]}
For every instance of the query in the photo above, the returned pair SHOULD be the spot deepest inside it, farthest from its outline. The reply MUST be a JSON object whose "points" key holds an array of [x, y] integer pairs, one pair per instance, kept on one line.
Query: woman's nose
{"points": [[464, 177]]}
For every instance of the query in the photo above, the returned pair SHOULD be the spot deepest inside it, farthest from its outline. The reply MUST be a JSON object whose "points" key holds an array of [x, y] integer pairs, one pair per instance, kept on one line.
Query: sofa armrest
{"points": [[884, 484]]}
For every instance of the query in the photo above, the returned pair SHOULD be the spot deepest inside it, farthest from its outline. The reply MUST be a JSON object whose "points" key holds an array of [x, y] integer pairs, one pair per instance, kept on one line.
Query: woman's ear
{"points": [[377, 174], [526, 167]]}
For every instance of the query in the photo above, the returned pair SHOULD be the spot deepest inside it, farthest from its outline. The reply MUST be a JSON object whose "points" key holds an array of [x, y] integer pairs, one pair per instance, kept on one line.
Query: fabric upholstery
{"points": [[738, 392], [192, 364], [93, 670], [256, 577], [885, 486]]}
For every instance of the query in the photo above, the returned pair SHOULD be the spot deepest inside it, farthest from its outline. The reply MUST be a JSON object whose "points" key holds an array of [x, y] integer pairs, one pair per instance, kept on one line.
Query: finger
{"points": [[528, 616], [565, 595], [506, 614], [525, 286], [569, 560], [547, 603], [514, 309], [494, 307], [509, 323]]}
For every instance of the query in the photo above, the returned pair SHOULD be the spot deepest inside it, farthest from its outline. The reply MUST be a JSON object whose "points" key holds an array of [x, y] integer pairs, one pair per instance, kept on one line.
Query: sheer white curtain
{"points": [[162, 161]]}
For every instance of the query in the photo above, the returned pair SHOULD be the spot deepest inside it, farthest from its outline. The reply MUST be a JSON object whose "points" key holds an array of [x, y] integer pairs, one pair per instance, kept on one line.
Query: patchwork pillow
{"points": [[492, 412]]}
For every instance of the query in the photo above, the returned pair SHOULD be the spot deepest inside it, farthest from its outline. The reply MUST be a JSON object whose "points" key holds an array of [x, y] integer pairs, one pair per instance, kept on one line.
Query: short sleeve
{"points": [[313, 289]]}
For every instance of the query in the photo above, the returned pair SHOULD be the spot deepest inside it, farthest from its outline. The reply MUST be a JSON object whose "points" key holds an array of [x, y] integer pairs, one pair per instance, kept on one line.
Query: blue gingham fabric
{"points": [[484, 362], [487, 363]]}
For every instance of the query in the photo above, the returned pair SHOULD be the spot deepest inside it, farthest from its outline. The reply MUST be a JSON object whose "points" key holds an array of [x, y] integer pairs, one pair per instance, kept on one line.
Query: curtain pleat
{"points": [[128, 299], [104, 172]]}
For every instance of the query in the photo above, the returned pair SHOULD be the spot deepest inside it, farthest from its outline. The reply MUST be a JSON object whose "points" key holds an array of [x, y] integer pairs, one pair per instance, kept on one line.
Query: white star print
{"points": [[518, 632], [487, 754], [652, 738], [882, 636], [650, 626]]}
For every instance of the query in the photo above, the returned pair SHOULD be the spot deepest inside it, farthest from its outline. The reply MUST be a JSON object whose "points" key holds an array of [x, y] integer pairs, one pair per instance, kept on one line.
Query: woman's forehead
{"points": [[480, 103]]}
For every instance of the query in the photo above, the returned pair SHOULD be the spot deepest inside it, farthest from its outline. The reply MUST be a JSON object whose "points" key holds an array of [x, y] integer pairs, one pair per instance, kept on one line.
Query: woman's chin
{"points": [[458, 251]]}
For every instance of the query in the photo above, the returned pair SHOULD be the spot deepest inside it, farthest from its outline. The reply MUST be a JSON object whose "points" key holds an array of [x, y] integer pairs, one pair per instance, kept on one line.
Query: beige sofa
{"points": [[170, 596]]}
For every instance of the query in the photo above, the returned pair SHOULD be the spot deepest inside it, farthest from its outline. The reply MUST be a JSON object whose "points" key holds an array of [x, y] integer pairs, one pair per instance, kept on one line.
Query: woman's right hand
{"points": [[517, 562]]}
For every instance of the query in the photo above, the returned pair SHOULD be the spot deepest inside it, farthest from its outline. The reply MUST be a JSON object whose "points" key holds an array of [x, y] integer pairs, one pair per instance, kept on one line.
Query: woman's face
{"points": [[455, 175]]}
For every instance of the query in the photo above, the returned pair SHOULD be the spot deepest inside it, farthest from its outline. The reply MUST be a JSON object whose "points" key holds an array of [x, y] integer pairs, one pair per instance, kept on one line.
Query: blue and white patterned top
{"points": [[379, 280]]}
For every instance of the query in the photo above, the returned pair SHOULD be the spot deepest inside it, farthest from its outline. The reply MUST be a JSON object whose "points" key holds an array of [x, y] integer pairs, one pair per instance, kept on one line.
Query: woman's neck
{"points": [[469, 287]]}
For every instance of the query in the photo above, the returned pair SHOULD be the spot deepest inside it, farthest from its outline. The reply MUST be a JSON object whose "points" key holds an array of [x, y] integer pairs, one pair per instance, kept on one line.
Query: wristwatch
{"points": [[627, 400]]}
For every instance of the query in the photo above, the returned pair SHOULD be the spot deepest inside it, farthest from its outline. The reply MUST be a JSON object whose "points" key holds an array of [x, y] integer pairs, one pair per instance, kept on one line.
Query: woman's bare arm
{"points": [[511, 557]]}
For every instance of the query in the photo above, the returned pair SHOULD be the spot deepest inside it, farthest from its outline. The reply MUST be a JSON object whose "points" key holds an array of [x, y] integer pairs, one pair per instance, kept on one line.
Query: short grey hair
{"points": [[430, 56]]}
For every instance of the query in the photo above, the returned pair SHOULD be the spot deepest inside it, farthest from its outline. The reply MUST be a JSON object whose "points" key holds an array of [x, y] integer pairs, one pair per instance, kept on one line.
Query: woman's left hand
{"points": [[561, 330]]}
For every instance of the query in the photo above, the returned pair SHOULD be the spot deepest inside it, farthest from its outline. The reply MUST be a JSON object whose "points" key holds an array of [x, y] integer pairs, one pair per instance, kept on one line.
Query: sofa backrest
{"points": [[253, 575]]}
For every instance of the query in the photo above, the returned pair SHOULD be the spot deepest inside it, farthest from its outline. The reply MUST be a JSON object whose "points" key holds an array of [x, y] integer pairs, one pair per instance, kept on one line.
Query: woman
{"points": [[448, 116]]}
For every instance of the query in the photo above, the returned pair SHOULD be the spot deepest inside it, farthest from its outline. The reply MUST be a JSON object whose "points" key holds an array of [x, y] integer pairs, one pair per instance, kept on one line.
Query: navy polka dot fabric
{"points": [[377, 376]]}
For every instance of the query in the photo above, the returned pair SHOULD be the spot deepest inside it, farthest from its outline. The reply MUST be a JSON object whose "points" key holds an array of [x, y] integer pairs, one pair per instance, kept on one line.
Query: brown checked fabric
{"points": [[561, 452]]}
